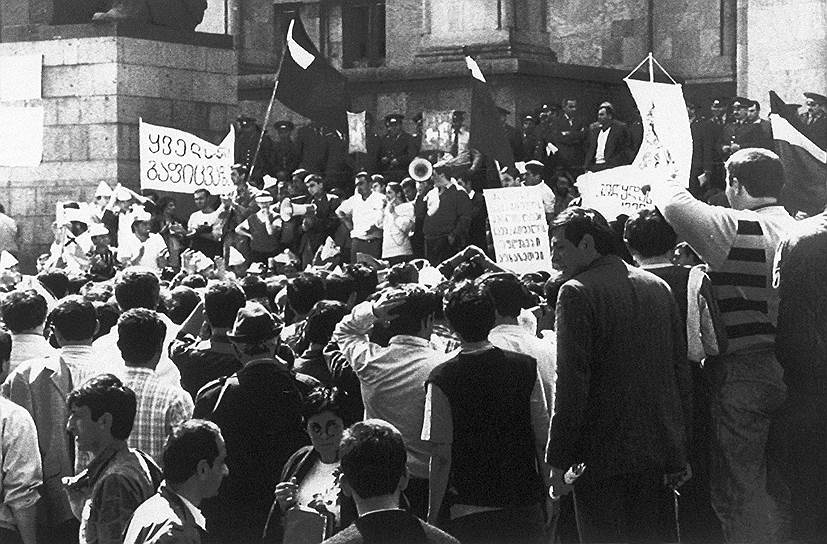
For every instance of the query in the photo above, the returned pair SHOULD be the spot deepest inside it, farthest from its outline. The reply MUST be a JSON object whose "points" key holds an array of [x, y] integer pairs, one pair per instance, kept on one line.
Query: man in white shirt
{"points": [[510, 296], [362, 214], [205, 225], [24, 313], [146, 249], [139, 288], [392, 378], [534, 178], [610, 142]]}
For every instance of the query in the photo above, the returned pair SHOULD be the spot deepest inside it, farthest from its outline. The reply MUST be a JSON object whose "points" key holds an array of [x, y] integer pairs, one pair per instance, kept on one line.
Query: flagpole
{"points": [[651, 68], [269, 107]]}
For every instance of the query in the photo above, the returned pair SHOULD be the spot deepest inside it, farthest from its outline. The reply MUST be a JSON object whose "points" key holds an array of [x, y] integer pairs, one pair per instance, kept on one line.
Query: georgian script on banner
{"points": [[666, 152], [356, 133], [179, 162], [436, 130], [518, 229]]}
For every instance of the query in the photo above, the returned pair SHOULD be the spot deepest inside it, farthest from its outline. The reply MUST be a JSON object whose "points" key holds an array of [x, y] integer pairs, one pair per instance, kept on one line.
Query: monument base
{"points": [[97, 81]]}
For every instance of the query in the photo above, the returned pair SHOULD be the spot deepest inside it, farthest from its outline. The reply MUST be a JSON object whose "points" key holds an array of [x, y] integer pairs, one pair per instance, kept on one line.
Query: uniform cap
{"points": [[535, 167], [97, 229], [817, 98]]}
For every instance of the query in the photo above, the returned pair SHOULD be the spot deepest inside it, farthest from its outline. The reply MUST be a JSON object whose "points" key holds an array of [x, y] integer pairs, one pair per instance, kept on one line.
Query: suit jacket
{"points": [[391, 527], [403, 149], [703, 146], [41, 387], [158, 514], [622, 374], [817, 131], [618, 146], [313, 147], [568, 137]]}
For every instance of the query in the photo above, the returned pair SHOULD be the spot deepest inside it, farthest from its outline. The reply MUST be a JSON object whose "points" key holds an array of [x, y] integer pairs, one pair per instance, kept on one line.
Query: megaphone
{"points": [[288, 210], [420, 169]]}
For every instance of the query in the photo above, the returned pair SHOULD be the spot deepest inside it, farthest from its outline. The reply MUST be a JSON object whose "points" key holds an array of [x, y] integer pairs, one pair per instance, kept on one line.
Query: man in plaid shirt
{"points": [[161, 406]]}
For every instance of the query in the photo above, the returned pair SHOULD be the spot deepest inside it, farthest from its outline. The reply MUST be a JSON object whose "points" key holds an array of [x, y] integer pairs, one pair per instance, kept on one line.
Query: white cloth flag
{"points": [[179, 162], [356, 138], [666, 151]]}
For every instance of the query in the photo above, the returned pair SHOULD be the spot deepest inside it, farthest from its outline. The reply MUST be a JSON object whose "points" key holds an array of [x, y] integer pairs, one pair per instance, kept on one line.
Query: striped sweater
{"points": [[739, 247]]}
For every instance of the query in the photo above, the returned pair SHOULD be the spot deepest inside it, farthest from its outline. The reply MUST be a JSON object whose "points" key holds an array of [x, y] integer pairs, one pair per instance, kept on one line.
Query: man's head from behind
{"points": [[304, 291], [73, 321], [222, 302], [753, 173], [470, 312], [137, 288], [647, 235], [578, 237], [415, 315], [23, 310], [100, 411], [195, 454], [373, 460], [5, 353], [510, 295], [141, 337]]}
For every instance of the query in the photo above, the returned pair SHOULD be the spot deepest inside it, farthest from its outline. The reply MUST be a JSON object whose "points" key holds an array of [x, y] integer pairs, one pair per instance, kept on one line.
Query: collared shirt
{"points": [[516, 338], [213, 219], [28, 345], [546, 195], [153, 247], [392, 379], [161, 407], [20, 471], [106, 349], [197, 516], [365, 214], [82, 362], [600, 152]]}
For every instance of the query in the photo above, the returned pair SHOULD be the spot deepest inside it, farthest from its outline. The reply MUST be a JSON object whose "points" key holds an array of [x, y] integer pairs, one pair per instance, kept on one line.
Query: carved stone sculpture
{"points": [[176, 14]]}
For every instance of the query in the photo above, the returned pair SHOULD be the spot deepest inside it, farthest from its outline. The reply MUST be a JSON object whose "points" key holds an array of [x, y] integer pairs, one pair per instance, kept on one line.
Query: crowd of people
{"points": [[295, 363]]}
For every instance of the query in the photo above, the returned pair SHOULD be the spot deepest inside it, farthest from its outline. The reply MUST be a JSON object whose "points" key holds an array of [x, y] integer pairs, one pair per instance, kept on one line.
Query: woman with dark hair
{"points": [[165, 223], [310, 478], [397, 225]]}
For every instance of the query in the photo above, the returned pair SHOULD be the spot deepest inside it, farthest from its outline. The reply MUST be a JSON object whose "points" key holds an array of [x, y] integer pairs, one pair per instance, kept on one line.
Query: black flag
{"points": [[310, 86]]}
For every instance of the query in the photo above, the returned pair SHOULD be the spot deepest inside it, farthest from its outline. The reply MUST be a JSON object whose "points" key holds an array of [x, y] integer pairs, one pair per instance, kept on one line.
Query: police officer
{"points": [[396, 150], [286, 154]]}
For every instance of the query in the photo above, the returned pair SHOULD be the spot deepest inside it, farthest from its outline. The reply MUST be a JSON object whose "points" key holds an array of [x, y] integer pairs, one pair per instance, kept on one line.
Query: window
{"points": [[363, 33]]}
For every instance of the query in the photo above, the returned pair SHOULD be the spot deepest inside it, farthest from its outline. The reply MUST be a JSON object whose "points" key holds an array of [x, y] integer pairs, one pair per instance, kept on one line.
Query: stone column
{"points": [[781, 46]]}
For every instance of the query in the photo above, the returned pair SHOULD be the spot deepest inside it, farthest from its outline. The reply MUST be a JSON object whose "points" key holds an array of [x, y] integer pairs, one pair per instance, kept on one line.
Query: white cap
{"points": [[123, 194], [7, 260], [141, 215], [103, 190], [98, 229], [270, 181], [75, 215], [236, 258]]}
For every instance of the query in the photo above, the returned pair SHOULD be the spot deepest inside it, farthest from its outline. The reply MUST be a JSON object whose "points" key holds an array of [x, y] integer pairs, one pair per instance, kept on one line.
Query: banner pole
{"points": [[651, 59], [285, 51]]}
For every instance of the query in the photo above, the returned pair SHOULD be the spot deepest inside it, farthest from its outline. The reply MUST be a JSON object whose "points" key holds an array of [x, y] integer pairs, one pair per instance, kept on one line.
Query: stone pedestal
{"points": [[97, 82], [781, 46]]}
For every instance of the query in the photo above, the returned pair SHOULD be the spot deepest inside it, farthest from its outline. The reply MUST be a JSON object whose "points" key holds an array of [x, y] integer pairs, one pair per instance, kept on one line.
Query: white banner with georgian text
{"points": [[179, 162], [518, 229]]}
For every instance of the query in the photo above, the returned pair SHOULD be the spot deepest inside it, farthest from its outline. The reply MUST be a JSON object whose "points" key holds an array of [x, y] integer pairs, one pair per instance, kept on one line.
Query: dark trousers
{"points": [[7, 536], [632, 507], [417, 495], [438, 248], [372, 247], [801, 433], [523, 525]]}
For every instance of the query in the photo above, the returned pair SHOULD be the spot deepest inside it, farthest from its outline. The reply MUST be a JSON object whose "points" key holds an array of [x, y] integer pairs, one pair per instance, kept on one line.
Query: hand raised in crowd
{"points": [[389, 301], [286, 493], [558, 486]]}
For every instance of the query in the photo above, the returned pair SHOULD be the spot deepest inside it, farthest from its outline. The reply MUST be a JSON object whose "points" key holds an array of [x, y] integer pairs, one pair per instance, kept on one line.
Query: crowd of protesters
{"points": [[294, 363]]}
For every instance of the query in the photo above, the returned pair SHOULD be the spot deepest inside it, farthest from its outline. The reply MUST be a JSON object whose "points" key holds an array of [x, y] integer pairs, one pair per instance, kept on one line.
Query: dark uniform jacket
{"points": [[568, 135], [286, 156], [313, 147], [401, 148]]}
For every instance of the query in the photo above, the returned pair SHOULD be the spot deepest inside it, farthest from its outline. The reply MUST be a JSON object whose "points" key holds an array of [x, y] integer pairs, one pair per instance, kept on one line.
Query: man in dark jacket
{"points": [[609, 143], [568, 134], [447, 218], [259, 412], [618, 410], [396, 150]]}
